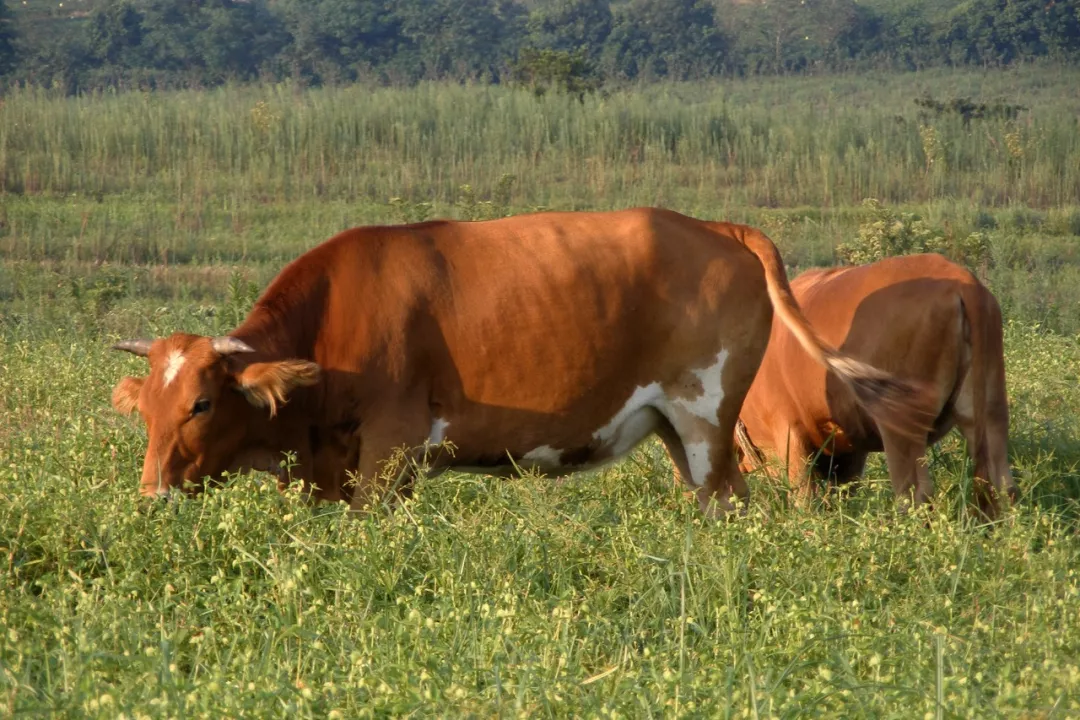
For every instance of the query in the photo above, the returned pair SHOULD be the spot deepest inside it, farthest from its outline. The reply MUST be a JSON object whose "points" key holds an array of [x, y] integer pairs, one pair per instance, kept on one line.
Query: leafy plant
{"points": [[562, 71], [967, 109], [499, 206], [408, 211], [241, 295], [887, 233]]}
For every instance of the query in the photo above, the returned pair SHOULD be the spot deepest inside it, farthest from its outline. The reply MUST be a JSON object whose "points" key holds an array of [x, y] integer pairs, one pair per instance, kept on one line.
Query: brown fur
{"points": [[918, 317], [523, 336]]}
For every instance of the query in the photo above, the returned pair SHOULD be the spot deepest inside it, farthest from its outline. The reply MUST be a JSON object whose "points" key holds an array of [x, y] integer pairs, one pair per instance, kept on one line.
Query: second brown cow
{"points": [[919, 317]]}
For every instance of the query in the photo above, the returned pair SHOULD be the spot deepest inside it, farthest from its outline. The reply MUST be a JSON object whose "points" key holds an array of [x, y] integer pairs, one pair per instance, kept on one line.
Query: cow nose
{"points": [[154, 492], [150, 502]]}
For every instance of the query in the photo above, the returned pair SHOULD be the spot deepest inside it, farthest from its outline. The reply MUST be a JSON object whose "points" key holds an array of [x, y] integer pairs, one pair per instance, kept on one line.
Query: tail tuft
{"points": [[904, 407]]}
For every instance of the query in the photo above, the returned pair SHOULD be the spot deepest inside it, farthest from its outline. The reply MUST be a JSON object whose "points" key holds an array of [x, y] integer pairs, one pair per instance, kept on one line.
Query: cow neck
{"points": [[281, 326], [273, 337]]}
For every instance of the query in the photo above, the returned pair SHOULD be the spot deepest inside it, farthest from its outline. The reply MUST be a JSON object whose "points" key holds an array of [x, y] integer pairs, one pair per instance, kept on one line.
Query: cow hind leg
{"points": [[704, 454], [676, 451], [987, 444]]}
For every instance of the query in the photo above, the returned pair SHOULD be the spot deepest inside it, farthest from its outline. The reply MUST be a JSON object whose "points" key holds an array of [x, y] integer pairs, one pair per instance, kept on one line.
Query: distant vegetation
{"points": [[570, 45], [984, 166]]}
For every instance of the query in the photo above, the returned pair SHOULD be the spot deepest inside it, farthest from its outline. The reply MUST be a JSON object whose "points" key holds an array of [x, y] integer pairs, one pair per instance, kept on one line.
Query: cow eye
{"points": [[200, 406]]}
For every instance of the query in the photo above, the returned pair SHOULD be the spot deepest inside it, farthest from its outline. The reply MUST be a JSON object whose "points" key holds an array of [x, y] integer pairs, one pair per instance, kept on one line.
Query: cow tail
{"points": [[901, 406]]}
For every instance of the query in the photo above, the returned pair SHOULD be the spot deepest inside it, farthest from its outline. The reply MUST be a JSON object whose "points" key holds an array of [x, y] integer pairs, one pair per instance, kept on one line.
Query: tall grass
{"points": [[759, 143], [604, 595]]}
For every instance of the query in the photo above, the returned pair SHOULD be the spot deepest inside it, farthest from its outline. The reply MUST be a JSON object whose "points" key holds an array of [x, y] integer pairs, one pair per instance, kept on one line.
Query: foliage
{"points": [[463, 38], [216, 39], [967, 109], [888, 232], [115, 34], [562, 71], [405, 211], [665, 38], [570, 26], [998, 32], [8, 49], [208, 42], [335, 40], [704, 146], [782, 36], [499, 206]]}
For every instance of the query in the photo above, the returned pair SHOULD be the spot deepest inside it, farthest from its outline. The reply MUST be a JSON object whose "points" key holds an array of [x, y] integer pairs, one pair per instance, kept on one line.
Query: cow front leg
{"points": [[908, 469], [793, 448], [388, 462], [704, 455]]}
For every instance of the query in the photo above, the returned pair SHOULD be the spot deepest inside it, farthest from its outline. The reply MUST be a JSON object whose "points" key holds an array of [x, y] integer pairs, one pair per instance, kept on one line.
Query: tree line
{"points": [[572, 45]]}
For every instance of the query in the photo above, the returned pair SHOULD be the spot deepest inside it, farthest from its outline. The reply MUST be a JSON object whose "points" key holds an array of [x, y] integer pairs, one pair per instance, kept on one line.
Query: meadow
{"points": [[598, 595]]}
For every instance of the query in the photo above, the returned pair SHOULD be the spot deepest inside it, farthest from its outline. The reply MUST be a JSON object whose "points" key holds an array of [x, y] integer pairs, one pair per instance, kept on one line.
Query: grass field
{"points": [[601, 595]]}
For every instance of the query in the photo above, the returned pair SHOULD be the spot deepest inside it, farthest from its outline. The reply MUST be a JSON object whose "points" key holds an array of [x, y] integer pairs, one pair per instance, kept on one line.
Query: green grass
{"points": [[822, 141], [604, 594], [486, 596]]}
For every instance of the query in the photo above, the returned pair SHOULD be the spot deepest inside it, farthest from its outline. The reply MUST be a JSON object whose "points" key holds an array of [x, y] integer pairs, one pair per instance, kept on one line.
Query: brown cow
{"points": [[918, 316], [557, 341]]}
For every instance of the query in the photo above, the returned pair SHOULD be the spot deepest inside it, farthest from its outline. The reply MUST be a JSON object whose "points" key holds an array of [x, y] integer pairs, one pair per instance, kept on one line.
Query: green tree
{"points": [[779, 36], [570, 25], [907, 37], [665, 38], [1059, 25], [210, 40], [115, 34], [8, 56], [461, 38], [564, 71], [334, 39], [999, 32]]}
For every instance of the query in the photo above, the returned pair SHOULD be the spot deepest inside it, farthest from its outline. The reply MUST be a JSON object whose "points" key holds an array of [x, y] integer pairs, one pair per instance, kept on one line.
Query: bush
{"points": [[1064, 222], [1023, 218], [560, 71], [984, 220], [888, 233]]}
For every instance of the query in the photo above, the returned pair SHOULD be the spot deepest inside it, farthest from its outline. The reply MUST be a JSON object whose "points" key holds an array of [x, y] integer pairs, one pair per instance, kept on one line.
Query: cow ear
{"points": [[125, 396], [268, 384]]}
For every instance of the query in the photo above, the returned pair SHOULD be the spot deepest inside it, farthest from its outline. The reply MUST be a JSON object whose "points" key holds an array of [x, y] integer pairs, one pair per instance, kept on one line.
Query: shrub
{"points": [[888, 233], [560, 71]]}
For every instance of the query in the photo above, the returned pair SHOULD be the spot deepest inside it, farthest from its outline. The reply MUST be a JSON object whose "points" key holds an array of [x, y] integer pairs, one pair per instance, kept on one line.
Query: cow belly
{"points": [[495, 440], [570, 454], [555, 447]]}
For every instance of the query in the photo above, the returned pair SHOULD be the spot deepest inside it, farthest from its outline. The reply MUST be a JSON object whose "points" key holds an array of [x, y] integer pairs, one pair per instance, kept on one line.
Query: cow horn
{"points": [[135, 347], [226, 345]]}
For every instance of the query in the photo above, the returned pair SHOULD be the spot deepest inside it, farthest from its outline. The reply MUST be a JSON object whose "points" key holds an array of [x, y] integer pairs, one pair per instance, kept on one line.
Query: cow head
{"points": [[207, 407]]}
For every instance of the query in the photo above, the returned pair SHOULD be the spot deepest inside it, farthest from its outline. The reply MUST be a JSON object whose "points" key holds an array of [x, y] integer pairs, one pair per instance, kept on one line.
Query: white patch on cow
{"points": [[707, 404], [173, 364], [438, 431], [697, 457], [544, 456], [634, 421], [641, 414]]}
